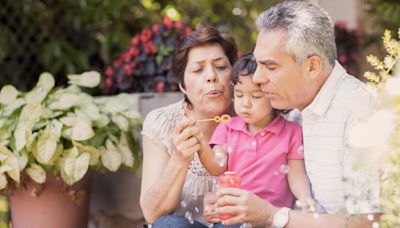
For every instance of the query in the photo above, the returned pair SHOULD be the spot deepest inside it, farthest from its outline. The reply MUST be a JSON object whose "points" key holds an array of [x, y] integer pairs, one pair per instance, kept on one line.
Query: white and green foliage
{"points": [[65, 131], [387, 80]]}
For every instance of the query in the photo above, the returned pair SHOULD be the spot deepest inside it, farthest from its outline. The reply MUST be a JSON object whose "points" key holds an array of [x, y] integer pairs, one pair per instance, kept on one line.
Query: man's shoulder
{"points": [[353, 93]]}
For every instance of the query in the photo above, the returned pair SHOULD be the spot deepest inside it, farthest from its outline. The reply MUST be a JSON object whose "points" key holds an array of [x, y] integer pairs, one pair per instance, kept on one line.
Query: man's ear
{"points": [[181, 88], [315, 66]]}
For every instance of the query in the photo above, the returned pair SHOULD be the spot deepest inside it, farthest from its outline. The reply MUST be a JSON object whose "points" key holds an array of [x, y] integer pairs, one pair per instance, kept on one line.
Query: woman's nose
{"points": [[211, 76]]}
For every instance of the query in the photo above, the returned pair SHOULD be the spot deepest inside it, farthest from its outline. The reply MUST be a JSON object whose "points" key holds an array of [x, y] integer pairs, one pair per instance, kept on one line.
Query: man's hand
{"points": [[248, 207]]}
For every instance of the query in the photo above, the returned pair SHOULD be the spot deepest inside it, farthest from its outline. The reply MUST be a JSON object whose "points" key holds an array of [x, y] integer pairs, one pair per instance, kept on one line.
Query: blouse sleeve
{"points": [[158, 127]]}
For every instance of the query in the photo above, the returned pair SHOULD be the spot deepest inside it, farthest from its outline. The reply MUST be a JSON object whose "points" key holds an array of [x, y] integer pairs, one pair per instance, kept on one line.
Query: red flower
{"points": [[134, 64], [178, 25], [108, 72], [160, 86], [187, 30], [341, 24], [127, 69], [150, 48], [146, 35], [127, 57], [117, 62], [133, 51], [167, 22], [156, 28], [135, 40], [108, 84]]}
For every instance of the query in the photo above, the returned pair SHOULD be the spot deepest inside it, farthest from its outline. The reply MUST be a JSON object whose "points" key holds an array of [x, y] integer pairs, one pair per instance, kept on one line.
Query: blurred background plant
{"points": [[386, 13], [386, 79], [349, 43], [145, 66], [64, 37]]}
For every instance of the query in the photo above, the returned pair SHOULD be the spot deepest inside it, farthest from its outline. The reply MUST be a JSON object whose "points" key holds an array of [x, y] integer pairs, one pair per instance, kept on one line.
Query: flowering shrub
{"points": [[348, 43], [145, 66], [387, 81], [378, 137]]}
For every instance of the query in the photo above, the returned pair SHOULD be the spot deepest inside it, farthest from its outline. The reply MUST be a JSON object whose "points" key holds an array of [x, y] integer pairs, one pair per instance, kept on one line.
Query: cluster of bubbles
{"points": [[221, 156]]}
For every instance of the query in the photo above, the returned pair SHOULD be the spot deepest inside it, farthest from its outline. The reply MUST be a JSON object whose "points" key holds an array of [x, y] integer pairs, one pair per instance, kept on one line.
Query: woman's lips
{"points": [[214, 93]]}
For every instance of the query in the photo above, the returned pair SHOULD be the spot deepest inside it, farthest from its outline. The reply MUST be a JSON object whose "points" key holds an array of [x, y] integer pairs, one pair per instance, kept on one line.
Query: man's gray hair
{"points": [[309, 27]]}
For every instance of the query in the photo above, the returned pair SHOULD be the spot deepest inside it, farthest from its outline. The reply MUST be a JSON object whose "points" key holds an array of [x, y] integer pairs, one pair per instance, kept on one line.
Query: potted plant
{"points": [[50, 137], [145, 66]]}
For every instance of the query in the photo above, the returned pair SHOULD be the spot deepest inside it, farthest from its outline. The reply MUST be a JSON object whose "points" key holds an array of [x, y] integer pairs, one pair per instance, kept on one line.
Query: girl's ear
{"points": [[182, 89]]}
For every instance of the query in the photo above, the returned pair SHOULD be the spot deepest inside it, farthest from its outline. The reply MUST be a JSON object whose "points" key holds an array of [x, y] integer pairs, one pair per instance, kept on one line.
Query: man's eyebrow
{"points": [[268, 62]]}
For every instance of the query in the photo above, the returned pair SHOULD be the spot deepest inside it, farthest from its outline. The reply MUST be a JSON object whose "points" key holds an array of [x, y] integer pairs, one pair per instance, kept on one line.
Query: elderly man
{"points": [[296, 68]]}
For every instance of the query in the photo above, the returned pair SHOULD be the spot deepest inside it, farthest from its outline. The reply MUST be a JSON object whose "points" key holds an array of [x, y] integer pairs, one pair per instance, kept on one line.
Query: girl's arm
{"points": [[213, 159], [299, 183]]}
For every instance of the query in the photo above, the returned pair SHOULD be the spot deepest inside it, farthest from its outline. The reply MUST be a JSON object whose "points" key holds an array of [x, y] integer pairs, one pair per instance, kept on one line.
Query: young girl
{"points": [[263, 148]]}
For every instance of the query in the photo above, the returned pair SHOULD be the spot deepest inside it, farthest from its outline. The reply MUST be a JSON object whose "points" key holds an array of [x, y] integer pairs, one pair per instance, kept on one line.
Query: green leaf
{"points": [[93, 151], [81, 130], [89, 79], [10, 109], [126, 153], [3, 181], [36, 173], [65, 101], [110, 157], [121, 122], [81, 166], [8, 94], [39, 92]]}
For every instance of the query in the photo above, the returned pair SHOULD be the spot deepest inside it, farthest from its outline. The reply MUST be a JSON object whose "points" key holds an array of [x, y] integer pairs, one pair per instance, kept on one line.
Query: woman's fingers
{"points": [[210, 213], [183, 125]]}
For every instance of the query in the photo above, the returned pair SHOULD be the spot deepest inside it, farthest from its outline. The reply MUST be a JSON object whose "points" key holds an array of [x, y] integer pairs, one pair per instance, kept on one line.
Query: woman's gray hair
{"points": [[309, 27]]}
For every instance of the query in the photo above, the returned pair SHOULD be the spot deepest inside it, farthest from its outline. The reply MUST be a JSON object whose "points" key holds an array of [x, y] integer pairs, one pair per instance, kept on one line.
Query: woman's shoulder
{"points": [[166, 113], [161, 121]]}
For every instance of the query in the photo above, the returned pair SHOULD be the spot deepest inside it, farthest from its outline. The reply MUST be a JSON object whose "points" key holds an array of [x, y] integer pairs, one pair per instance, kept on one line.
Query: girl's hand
{"points": [[307, 204]]}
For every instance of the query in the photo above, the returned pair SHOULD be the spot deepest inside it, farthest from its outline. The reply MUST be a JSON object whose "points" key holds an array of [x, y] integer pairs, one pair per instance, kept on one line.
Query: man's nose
{"points": [[259, 77]]}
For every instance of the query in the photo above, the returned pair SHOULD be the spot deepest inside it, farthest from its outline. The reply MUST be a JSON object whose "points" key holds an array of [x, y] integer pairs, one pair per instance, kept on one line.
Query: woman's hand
{"points": [[185, 140], [247, 207], [210, 213]]}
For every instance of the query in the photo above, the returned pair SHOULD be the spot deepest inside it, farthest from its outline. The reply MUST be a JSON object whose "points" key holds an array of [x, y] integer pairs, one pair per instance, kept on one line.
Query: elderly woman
{"points": [[174, 182]]}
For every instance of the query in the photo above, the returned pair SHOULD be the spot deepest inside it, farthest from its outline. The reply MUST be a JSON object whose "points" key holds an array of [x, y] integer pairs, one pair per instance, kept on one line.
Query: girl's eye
{"points": [[239, 95], [197, 70], [221, 67]]}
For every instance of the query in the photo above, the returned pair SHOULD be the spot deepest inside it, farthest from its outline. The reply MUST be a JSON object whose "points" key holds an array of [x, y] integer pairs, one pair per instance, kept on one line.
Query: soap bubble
{"points": [[189, 217], [284, 169]]}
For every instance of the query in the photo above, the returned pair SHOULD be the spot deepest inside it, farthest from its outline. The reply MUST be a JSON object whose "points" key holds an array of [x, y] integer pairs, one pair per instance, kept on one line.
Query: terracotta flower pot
{"points": [[52, 208]]}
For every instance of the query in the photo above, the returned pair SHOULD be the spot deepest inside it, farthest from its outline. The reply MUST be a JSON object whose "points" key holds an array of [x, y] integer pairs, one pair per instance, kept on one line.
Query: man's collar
{"points": [[325, 95]]}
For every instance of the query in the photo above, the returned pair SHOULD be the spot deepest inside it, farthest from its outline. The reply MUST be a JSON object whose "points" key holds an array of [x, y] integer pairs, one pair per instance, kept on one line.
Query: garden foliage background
{"points": [[64, 37]]}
